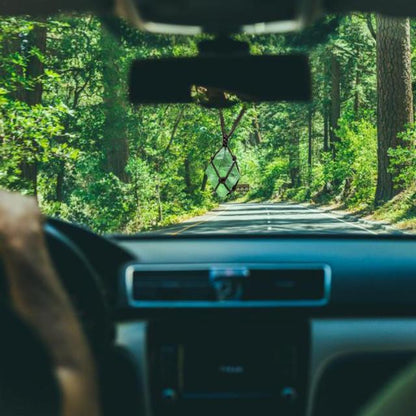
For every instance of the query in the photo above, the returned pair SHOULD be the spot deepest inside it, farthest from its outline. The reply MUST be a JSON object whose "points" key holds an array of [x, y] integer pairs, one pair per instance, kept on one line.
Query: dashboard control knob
{"points": [[169, 394], [289, 394]]}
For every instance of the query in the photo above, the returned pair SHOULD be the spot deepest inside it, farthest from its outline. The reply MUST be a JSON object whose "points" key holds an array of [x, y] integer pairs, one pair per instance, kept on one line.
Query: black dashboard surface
{"points": [[369, 319], [368, 322], [374, 275]]}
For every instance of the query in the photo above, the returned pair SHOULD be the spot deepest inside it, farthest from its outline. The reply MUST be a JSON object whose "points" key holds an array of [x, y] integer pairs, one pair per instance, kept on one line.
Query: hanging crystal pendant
{"points": [[223, 172]]}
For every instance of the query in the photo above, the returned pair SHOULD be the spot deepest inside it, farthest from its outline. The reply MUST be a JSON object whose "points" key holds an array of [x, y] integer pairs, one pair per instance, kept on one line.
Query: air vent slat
{"points": [[187, 285], [286, 284]]}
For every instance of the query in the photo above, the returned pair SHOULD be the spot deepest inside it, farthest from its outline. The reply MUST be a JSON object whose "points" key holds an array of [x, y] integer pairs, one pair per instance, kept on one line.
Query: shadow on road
{"points": [[266, 219]]}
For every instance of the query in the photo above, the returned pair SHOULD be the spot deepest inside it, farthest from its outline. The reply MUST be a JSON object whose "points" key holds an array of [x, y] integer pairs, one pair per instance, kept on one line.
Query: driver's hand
{"points": [[20, 219]]}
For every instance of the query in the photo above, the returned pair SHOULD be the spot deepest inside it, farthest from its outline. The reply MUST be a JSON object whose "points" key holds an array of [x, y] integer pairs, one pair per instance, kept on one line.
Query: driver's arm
{"points": [[40, 299]]}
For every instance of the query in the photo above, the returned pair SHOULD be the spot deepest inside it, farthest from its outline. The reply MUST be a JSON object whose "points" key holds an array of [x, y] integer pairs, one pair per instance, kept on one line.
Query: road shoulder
{"points": [[382, 227]]}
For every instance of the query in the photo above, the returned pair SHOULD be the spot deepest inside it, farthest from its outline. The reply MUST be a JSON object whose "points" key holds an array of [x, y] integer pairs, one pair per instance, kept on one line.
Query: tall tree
{"points": [[326, 128], [395, 99], [33, 96], [115, 109], [294, 160], [335, 113]]}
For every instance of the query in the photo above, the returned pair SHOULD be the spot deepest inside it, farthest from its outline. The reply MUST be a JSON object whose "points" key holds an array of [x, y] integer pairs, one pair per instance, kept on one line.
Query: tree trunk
{"points": [[30, 175], [256, 137], [35, 68], [204, 182], [335, 112], [117, 154], [115, 136], [294, 161], [188, 181], [395, 99], [34, 71], [310, 150], [310, 137], [159, 203], [326, 129]]}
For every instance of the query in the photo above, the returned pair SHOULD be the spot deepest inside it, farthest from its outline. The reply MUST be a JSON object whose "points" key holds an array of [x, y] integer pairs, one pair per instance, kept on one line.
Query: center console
{"points": [[208, 345]]}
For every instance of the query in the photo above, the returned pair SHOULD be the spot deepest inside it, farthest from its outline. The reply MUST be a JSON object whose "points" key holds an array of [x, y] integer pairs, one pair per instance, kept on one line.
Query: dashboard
{"points": [[312, 326]]}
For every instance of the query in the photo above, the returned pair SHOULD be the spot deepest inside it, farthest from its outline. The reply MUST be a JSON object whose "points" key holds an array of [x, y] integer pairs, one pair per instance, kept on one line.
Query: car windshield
{"points": [[343, 163]]}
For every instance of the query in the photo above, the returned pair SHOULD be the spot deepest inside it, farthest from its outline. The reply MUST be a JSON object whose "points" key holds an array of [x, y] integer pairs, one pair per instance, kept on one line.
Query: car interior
{"points": [[305, 325]]}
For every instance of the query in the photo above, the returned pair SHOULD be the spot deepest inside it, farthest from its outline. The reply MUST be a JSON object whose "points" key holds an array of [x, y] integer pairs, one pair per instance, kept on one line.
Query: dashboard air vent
{"points": [[286, 284], [172, 285], [227, 285]]}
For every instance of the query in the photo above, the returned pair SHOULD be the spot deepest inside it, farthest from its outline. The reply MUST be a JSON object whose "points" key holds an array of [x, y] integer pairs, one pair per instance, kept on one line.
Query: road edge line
{"points": [[198, 223]]}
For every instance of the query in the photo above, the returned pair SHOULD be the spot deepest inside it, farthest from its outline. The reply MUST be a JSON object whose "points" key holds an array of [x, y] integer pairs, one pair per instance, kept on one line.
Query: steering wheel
{"points": [[27, 382], [84, 288]]}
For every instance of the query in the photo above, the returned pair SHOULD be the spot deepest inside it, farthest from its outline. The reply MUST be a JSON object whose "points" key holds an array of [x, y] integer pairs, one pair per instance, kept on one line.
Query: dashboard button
{"points": [[289, 394], [169, 394]]}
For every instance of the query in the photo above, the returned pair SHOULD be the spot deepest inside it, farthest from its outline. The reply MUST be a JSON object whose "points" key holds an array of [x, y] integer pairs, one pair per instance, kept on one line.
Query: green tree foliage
{"points": [[92, 157], [404, 159]]}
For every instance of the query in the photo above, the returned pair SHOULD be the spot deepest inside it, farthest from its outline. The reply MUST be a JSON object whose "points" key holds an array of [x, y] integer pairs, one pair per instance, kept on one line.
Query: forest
{"points": [[69, 136]]}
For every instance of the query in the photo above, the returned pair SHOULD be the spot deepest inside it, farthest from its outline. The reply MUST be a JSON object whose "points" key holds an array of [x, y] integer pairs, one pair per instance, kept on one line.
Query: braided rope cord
{"points": [[222, 180], [227, 136]]}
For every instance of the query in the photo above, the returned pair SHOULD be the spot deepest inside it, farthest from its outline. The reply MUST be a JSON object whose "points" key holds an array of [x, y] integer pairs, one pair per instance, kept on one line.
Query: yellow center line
{"points": [[199, 223]]}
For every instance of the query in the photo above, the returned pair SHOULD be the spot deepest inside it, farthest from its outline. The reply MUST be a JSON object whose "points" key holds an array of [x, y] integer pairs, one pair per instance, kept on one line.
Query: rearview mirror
{"points": [[249, 78]]}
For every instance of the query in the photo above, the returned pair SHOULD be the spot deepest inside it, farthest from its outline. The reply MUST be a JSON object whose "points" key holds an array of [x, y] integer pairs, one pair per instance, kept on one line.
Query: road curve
{"points": [[270, 218]]}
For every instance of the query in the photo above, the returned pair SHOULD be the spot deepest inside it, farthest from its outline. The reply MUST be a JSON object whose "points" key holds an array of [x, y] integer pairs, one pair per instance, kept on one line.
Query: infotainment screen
{"points": [[230, 370]]}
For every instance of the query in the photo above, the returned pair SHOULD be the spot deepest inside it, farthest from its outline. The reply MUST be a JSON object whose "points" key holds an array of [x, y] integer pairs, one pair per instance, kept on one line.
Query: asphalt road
{"points": [[268, 218]]}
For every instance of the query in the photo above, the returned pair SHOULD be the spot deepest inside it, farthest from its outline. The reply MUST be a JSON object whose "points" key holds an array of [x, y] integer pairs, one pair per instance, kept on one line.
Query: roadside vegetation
{"points": [[69, 136], [401, 210]]}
